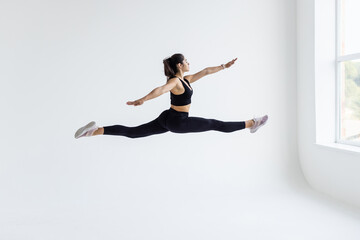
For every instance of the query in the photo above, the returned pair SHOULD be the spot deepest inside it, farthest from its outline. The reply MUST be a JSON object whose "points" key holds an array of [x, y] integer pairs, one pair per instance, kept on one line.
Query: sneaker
{"points": [[259, 122], [87, 130]]}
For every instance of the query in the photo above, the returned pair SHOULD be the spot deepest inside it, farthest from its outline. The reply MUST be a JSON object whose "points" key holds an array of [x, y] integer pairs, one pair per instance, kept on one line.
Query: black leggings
{"points": [[174, 121]]}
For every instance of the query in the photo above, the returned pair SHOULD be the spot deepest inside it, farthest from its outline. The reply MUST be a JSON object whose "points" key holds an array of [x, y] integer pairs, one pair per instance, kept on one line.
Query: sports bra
{"points": [[184, 98]]}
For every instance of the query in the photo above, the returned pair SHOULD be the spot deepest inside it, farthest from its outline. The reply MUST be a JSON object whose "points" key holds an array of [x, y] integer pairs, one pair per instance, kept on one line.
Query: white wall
{"points": [[327, 169], [65, 63]]}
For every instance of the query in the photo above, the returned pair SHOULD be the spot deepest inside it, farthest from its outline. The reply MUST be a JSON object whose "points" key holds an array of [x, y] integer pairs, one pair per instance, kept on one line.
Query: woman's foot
{"points": [[258, 122], [87, 130]]}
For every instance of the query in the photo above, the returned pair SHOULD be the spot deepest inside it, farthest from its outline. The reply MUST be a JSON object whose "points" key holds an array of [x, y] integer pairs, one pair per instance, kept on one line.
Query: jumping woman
{"points": [[176, 119]]}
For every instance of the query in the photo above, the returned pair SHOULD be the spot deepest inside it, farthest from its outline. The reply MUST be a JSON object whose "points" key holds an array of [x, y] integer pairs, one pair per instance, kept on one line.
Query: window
{"points": [[348, 72]]}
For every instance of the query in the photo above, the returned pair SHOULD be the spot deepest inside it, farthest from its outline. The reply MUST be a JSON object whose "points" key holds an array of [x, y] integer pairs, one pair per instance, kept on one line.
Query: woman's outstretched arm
{"points": [[155, 92], [207, 71], [211, 70]]}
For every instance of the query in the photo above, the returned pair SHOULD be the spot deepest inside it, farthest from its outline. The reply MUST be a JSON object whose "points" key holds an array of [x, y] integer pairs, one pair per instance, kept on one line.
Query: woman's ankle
{"points": [[99, 131], [249, 123]]}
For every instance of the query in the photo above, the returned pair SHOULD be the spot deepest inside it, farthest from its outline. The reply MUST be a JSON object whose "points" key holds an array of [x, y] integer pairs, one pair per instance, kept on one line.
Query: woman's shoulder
{"points": [[173, 79]]}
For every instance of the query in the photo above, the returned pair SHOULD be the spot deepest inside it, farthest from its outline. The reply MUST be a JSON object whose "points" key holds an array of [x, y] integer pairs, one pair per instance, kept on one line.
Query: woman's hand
{"points": [[136, 103], [229, 64]]}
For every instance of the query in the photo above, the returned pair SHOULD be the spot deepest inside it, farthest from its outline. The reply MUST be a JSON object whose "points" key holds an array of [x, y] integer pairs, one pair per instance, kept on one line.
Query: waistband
{"points": [[173, 111]]}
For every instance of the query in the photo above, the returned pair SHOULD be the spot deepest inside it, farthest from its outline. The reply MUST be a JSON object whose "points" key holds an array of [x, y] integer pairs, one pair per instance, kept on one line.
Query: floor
{"points": [[293, 214]]}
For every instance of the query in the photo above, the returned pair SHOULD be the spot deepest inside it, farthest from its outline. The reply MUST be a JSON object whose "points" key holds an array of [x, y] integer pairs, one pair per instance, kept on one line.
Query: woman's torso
{"points": [[181, 108], [182, 89]]}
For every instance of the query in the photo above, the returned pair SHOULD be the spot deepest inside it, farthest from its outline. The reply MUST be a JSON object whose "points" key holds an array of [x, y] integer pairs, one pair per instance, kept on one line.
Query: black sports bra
{"points": [[182, 99]]}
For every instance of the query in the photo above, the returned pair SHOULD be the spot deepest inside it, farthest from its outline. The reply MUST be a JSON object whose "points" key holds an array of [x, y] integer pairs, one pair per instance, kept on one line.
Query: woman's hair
{"points": [[170, 68]]}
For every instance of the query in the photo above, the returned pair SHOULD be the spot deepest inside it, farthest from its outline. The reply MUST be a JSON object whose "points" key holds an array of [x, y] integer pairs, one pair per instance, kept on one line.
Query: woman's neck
{"points": [[180, 75]]}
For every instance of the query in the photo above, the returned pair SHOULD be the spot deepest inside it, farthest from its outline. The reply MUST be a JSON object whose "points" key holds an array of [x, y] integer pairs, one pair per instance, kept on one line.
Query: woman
{"points": [[176, 119]]}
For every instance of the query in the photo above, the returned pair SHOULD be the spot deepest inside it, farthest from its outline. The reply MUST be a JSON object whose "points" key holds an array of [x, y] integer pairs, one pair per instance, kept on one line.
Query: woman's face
{"points": [[185, 66]]}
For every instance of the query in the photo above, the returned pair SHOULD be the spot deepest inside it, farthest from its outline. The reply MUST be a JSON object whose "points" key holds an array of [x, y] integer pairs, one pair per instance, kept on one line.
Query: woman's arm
{"points": [[211, 70], [155, 92]]}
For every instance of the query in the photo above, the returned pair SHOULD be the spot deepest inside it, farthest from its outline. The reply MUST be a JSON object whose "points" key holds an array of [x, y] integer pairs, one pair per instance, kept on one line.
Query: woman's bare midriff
{"points": [[185, 108]]}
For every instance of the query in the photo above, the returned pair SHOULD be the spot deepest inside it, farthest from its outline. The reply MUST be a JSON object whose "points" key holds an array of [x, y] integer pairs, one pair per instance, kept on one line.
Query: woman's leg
{"points": [[156, 126], [143, 130], [197, 124]]}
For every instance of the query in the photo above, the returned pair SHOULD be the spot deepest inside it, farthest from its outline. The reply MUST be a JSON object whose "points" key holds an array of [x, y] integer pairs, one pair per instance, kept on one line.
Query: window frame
{"points": [[338, 60]]}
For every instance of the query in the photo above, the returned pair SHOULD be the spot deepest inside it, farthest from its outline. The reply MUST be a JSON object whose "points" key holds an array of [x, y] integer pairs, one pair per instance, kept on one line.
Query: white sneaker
{"points": [[87, 130], [259, 122]]}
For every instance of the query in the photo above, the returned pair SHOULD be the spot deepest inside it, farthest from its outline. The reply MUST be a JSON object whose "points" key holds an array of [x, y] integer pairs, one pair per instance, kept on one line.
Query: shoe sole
{"points": [[260, 125], [82, 130]]}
